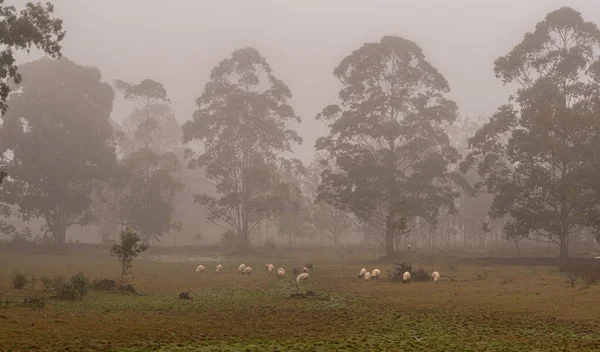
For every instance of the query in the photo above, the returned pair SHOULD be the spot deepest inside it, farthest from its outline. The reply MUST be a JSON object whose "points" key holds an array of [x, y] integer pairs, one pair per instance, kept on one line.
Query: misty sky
{"points": [[178, 42]]}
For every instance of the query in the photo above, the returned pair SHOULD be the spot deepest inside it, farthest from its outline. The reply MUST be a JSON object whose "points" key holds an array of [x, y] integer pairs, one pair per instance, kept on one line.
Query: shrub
{"points": [[80, 283], [419, 276], [127, 249], [19, 281]]}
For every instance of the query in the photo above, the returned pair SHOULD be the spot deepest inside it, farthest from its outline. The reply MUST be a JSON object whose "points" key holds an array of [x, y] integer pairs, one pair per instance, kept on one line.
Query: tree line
{"points": [[399, 164]]}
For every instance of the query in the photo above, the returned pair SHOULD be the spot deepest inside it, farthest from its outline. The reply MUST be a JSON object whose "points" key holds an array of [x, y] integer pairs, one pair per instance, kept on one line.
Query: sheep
{"points": [[362, 272], [297, 270], [302, 277], [200, 269], [219, 268], [367, 276], [280, 272], [435, 276], [375, 274], [405, 277], [241, 268], [305, 270], [270, 268], [247, 270], [310, 266]]}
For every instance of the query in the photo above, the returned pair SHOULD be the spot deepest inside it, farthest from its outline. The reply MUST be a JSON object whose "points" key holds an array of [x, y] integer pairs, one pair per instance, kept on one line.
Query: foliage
{"points": [[387, 139], [80, 283], [127, 249], [146, 199], [19, 280], [242, 125], [33, 26], [538, 177], [154, 127], [59, 135]]}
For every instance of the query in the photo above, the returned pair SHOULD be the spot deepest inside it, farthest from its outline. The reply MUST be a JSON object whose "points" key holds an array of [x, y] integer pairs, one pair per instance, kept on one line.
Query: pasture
{"points": [[479, 305]]}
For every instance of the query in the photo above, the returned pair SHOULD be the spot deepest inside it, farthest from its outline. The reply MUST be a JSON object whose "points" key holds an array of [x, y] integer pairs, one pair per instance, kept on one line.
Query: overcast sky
{"points": [[178, 42]]}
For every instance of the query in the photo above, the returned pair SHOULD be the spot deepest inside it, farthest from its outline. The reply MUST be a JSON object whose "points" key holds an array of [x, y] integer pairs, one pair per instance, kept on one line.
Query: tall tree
{"points": [[33, 26], [242, 123], [388, 140], [538, 177], [57, 135], [150, 185]]}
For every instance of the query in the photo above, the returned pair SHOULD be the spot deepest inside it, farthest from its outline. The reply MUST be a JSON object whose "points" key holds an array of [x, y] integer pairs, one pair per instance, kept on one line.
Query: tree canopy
{"points": [[538, 176], [33, 26], [57, 137], [242, 124], [387, 138]]}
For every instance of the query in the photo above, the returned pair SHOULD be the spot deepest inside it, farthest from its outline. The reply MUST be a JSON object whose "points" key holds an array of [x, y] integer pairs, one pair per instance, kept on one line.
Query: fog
{"points": [[178, 42]]}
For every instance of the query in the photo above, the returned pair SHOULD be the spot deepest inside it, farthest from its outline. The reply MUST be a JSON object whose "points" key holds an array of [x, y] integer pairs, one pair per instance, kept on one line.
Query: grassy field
{"points": [[479, 305]]}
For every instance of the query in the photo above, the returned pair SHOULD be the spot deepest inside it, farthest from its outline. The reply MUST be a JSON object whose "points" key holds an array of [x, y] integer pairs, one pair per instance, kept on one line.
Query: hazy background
{"points": [[178, 42]]}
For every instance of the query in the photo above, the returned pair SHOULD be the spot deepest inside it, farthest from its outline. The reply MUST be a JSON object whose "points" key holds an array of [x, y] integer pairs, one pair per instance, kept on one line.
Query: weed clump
{"points": [[70, 290], [19, 281]]}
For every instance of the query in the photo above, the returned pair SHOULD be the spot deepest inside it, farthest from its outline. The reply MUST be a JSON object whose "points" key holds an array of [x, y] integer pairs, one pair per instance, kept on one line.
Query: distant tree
{"points": [[129, 247], [242, 124], [33, 26], [149, 188], [333, 223], [293, 217], [539, 178], [58, 137], [387, 139], [151, 184], [149, 98]]}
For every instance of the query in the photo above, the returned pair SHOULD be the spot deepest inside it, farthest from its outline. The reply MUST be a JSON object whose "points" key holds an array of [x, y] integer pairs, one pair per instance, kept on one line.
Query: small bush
{"points": [[419, 276], [80, 283], [588, 271], [19, 281], [103, 284], [70, 290]]}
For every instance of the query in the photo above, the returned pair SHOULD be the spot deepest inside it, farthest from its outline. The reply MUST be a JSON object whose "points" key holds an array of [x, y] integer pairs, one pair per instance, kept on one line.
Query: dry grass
{"points": [[479, 305]]}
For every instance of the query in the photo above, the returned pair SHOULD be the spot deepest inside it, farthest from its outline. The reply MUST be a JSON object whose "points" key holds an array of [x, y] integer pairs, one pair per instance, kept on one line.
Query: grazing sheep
{"points": [[241, 267], [375, 274], [219, 268], [362, 272], [310, 266], [270, 268], [435, 276], [302, 277], [247, 271], [405, 277], [297, 270], [200, 269], [367, 276], [280, 272]]}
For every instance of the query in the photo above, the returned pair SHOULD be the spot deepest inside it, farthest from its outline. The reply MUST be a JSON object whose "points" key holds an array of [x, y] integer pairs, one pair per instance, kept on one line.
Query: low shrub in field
{"points": [[419, 276], [588, 271], [19, 281], [70, 290]]}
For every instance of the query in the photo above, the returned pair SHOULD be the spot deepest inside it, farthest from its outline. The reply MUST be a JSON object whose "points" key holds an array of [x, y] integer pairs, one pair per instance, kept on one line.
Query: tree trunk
{"points": [[564, 250], [60, 235], [389, 238]]}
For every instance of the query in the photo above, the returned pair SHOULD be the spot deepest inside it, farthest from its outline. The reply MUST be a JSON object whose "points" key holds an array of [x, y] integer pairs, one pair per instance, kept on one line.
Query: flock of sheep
{"points": [[301, 273], [374, 275]]}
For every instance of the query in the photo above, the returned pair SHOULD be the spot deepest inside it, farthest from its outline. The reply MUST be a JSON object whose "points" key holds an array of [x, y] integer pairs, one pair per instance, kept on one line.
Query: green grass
{"points": [[478, 306]]}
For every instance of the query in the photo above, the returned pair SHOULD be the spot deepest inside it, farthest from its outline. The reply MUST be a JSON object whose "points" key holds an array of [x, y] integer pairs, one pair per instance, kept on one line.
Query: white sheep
{"points": [[302, 277], [367, 276], [241, 267], [280, 272], [435, 276], [375, 274], [200, 269], [405, 277], [362, 272], [247, 271], [305, 269], [270, 268], [219, 268]]}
